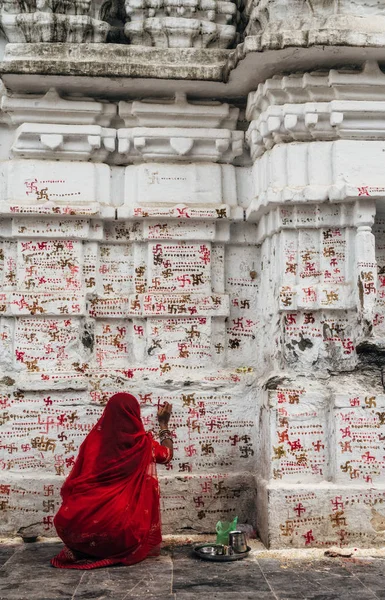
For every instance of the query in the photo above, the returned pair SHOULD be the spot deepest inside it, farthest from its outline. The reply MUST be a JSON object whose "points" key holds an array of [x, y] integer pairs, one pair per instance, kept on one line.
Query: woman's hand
{"points": [[164, 414]]}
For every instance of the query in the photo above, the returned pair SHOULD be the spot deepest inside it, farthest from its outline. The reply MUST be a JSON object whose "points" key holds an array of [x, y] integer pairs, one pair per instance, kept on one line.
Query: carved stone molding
{"points": [[320, 86], [339, 119], [172, 143], [64, 142], [72, 7], [279, 15], [178, 112], [51, 21], [52, 108], [317, 106], [172, 24], [177, 130]]}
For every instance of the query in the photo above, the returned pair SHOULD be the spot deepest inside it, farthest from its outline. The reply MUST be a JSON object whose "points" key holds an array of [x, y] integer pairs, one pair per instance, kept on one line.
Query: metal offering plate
{"points": [[209, 555]]}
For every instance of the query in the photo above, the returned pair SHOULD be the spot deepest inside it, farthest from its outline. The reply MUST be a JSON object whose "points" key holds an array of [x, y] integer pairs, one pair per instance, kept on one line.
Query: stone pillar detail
{"points": [[317, 142], [299, 21], [51, 21], [172, 24]]}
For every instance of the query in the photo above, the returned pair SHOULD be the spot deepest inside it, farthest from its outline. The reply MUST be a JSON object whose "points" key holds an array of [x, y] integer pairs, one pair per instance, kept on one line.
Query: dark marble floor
{"points": [[25, 574]]}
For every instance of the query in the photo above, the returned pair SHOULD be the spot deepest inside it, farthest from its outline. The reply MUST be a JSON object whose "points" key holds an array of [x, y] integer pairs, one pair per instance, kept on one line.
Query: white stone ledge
{"points": [[107, 60], [179, 144], [353, 84], [158, 305], [316, 172], [311, 216], [119, 379], [52, 108], [196, 500], [179, 112], [63, 142], [316, 121], [50, 209]]}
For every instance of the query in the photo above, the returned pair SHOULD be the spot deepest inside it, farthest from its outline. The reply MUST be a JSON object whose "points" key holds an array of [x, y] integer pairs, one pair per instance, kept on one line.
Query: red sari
{"points": [[110, 512]]}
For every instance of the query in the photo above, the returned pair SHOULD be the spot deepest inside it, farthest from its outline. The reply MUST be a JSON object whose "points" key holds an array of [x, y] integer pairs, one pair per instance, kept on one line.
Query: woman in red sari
{"points": [[110, 512]]}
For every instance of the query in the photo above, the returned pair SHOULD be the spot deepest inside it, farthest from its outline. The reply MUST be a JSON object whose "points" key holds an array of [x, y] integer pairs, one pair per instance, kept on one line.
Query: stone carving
{"points": [[51, 127], [73, 7], [338, 119], [183, 277], [179, 144], [51, 21], [321, 86], [282, 16], [179, 130], [172, 24], [52, 108], [66, 142], [178, 112]]}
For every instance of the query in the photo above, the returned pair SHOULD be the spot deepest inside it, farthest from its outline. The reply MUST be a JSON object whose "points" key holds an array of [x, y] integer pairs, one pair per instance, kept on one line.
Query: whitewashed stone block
{"points": [[199, 500], [367, 84], [345, 170], [200, 191], [53, 188], [324, 515], [52, 108], [359, 427], [46, 344], [339, 119], [326, 440], [299, 444], [64, 142], [179, 113], [172, 144]]}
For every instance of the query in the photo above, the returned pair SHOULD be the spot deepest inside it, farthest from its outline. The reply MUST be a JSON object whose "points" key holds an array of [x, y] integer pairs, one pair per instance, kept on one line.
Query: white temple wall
{"points": [[140, 278], [229, 261]]}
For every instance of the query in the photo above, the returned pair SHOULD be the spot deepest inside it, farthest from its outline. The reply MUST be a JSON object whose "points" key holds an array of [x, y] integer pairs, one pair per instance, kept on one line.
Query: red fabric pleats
{"points": [[110, 511]]}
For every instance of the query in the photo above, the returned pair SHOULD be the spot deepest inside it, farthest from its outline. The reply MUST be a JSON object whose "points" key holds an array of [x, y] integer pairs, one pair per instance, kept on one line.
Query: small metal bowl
{"points": [[209, 550]]}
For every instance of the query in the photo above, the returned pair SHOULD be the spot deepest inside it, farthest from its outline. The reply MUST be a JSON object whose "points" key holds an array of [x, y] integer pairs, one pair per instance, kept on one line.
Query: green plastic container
{"points": [[223, 529]]}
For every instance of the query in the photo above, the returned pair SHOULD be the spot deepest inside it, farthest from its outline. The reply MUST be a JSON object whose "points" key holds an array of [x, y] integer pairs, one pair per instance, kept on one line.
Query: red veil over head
{"points": [[110, 504]]}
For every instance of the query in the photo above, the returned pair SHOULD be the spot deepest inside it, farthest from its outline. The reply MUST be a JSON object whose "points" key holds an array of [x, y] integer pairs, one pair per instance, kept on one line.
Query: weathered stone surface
{"points": [[50, 21], [45, 27], [52, 108], [245, 288], [168, 24], [177, 575]]}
